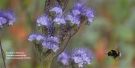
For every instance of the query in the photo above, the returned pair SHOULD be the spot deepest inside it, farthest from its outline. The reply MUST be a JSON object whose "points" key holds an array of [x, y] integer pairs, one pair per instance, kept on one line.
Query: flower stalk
{"points": [[3, 55]]}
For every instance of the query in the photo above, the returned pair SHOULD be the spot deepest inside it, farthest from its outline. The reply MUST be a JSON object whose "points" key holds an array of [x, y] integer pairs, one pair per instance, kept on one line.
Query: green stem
{"points": [[47, 63], [2, 53]]}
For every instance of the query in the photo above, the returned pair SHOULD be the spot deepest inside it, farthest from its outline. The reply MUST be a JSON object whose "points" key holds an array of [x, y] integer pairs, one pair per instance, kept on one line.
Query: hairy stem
{"points": [[2, 54]]}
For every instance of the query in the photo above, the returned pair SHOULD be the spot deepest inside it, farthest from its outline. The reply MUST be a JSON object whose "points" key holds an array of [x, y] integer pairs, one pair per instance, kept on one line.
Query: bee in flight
{"points": [[114, 53]]}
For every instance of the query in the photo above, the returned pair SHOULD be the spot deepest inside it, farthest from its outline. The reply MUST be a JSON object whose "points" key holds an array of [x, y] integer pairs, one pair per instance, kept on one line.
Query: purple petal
{"points": [[57, 10], [36, 37], [89, 13], [73, 19], [50, 45], [59, 20], [10, 15], [7, 17], [64, 58], [76, 12], [43, 21], [2, 21], [32, 37], [51, 42]]}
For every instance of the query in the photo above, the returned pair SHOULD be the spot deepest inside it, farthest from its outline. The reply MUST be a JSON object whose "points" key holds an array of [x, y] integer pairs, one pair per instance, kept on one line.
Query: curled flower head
{"points": [[51, 42], [78, 6], [77, 9], [89, 13], [36, 37], [73, 19], [59, 20], [2, 21], [81, 56], [7, 18], [64, 58], [58, 11], [76, 12], [80, 9], [43, 21], [10, 15]]}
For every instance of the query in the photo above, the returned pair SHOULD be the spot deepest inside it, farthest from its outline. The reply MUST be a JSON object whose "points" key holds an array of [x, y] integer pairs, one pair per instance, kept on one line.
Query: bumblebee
{"points": [[114, 54]]}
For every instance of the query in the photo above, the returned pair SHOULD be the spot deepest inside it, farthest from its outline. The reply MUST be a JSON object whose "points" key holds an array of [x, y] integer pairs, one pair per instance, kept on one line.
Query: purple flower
{"points": [[2, 21], [59, 20], [78, 6], [64, 58], [10, 15], [7, 18], [36, 37], [57, 10], [89, 13], [73, 19], [53, 39], [32, 37], [76, 12], [50, 45], [82, 56], [43, 21], [40, 37], [79, 9], [51, 42]]}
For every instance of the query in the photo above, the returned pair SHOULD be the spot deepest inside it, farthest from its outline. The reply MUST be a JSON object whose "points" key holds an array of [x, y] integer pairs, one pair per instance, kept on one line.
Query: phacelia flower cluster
{"points": [[57, 25], [79, 56], [73, 17], [7, 18], [50, 42], [82, 56]]}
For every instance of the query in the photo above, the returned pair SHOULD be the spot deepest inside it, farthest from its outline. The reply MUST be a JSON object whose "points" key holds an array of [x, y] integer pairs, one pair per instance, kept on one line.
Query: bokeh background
{"points": [[113, 28]]}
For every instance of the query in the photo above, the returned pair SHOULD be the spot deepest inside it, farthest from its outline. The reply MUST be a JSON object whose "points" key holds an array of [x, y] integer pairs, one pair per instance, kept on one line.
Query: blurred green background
{"points": [[113, 28]]}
